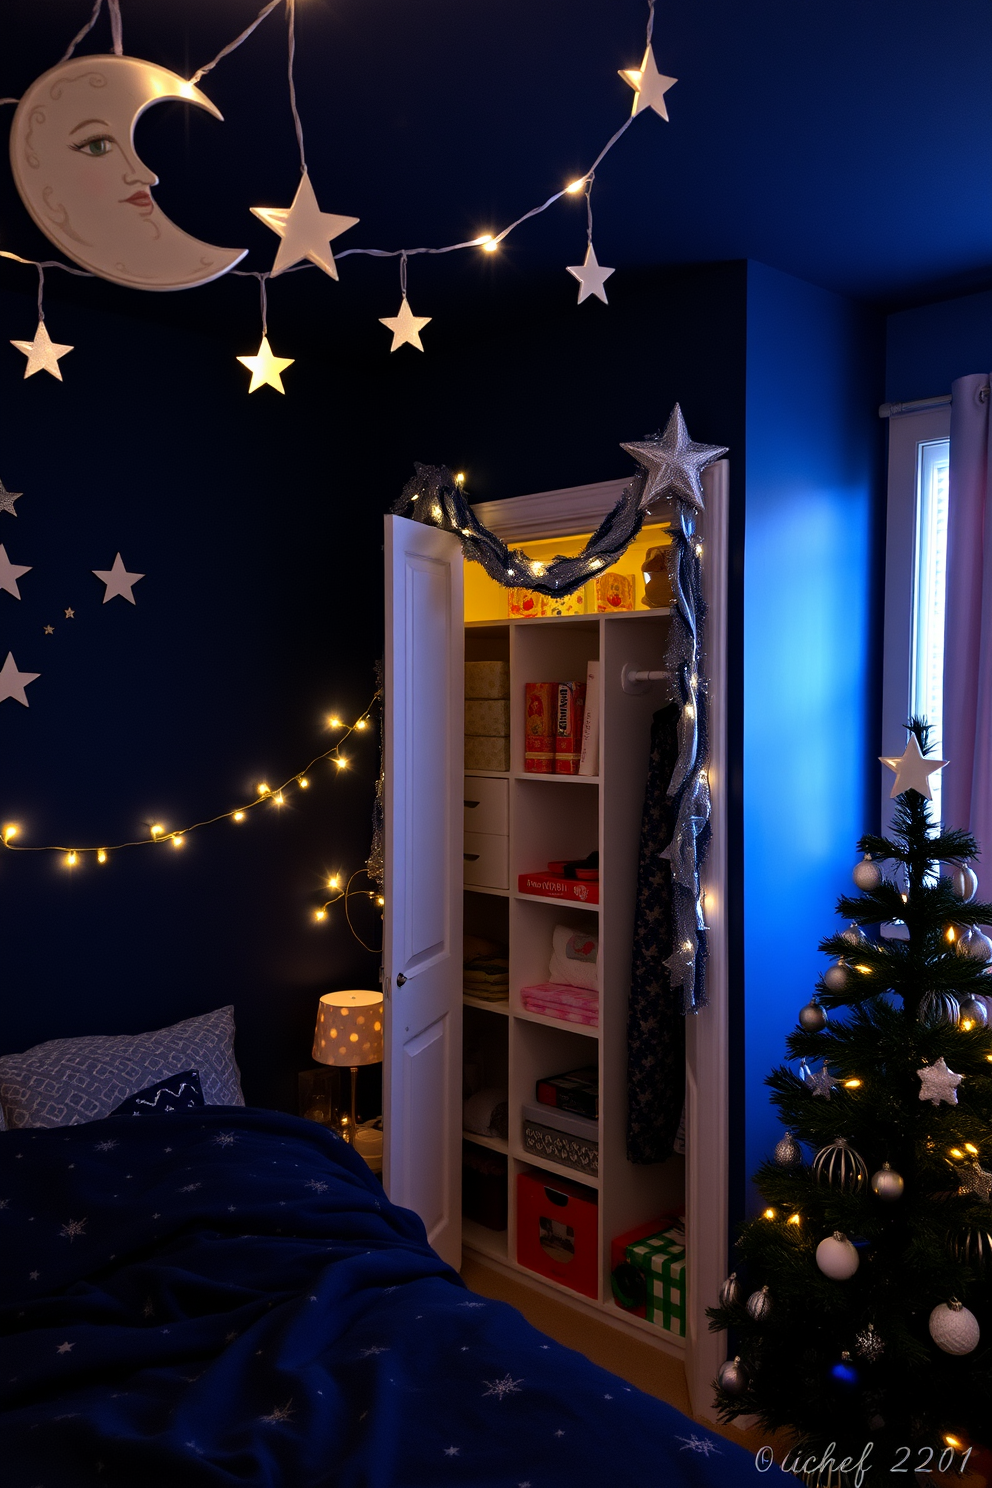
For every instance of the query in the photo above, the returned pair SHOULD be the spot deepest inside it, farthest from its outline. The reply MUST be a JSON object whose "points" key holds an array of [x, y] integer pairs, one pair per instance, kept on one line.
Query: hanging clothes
{"points": [[655, 1020]]}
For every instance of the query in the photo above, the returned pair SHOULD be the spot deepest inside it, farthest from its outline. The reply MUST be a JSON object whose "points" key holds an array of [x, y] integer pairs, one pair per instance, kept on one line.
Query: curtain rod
{"points": [[922, 405]]}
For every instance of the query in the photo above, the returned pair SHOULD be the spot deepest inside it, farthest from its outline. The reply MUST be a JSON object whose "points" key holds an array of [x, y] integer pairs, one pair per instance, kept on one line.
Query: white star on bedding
{"points": [[316, 1185], [33, 1275], [451, 1451], [501, 1388], [559, 1432], [368, 1353], [4, 1203], [73, 1228], [702, 1444], [108, 1145], [189, 1188], [65, 1348], [471, 1304], [224, 1139]]}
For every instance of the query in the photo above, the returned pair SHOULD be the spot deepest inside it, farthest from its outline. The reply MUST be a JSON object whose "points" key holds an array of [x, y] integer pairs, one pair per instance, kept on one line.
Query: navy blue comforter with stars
{"points": [[226, 1297]]}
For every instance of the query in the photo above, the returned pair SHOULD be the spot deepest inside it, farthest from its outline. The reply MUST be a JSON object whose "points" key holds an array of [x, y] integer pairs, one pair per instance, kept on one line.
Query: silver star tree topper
{"points": [[673, 463]]}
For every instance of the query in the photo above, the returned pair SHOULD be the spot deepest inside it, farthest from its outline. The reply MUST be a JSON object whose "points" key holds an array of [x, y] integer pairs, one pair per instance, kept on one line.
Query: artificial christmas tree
{"points": [[862, 1307]]}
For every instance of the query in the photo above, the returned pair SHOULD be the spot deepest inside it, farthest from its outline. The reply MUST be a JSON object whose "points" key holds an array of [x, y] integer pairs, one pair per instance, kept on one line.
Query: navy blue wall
{"points": [[258, 524], [811, 574], [928, 347]]}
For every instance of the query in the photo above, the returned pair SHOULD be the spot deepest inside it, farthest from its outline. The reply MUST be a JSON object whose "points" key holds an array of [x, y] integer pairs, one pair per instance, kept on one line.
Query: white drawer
{"points": [[486, 805], [487, 859]]}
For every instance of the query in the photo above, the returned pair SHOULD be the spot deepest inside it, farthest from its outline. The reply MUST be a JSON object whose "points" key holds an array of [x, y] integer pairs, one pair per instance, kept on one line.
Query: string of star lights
{"points": [[265, 796], [306, 232]]}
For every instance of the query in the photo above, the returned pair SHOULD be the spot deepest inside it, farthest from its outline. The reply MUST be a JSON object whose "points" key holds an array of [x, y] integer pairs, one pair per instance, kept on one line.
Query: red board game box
{"points": [[554, 886]]}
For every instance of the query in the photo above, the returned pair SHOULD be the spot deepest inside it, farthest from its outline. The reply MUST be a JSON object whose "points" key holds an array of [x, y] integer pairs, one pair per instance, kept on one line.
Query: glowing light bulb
{"points": [[487, 243], [966, 1025], [237, 816], [634, 74], [538, 568], [303, 782], [279, 798], [689, 710], [178, 841], [362, 723], [574, 187], [699, 550], [852, 1084], [864, 970], [460, 478], [262, 788], [970, 1147], [950, 934], [9, 833], [101, 856], [952, 1441], [956, 1152], [320, 914], [904, 898], [157, 830], [342, 764], [187, 90], [795, 1219], [379, 900], [70, 860], [334, 882], [769, 1214], [334, 723]]}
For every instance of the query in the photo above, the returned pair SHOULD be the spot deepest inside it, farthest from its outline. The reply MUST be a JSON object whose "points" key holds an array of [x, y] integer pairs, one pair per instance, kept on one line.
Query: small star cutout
{"points": [[820, 1081], [305, 230], [42, 353], [913, 769], [70, 614], [33, 1275], [451, 1451], [673, 463], [10, 573], [559, 1432], [592, 277], [702, 1444], [405, 326], [49, 629], [7, 499], [12, 685], [938, 1083], [649, 85], [118, 580], [266, 368], [65, 1348]]}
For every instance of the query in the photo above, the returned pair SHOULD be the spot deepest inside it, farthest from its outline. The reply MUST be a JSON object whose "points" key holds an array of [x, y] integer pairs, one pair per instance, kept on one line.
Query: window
{"points": [[916, 549]]}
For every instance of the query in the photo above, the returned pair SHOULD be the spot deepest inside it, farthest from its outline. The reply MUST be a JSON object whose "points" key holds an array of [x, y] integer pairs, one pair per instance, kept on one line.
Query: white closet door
{"points": [[422, 951]]}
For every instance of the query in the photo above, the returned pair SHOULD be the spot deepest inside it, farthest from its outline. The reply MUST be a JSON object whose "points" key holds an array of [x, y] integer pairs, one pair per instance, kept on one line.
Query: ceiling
{"points": [[843, 141]]}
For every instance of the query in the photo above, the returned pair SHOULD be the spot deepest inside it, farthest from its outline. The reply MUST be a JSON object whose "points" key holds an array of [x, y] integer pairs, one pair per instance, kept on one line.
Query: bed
{"points": [[225, 1295]]}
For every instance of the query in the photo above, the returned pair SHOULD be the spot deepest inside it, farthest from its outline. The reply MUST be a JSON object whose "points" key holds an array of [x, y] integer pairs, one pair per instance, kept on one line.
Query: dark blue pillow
{"points": [[176, 1093]]}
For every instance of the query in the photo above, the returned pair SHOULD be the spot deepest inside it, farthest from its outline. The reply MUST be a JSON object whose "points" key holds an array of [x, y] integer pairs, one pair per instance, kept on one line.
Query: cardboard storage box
{"points": [[556, 1230], [562, 1137]]}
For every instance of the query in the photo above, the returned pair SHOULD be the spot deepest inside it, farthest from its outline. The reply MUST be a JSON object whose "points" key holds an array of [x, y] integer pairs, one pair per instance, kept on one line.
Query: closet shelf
{"points": [[558, 779], [561, 1023], [559, 1170], [558, 903], [483, 1240], [481, 889], [497, 1144], [487, 1007]]}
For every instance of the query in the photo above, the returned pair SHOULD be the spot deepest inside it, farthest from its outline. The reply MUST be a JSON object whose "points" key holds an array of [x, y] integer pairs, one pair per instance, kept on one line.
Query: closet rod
{"points": [[918, 405]]}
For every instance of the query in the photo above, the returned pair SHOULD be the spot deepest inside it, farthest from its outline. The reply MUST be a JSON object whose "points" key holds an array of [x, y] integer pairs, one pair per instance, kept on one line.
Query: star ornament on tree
{"points": [[405, 326], [976, 1180], [938, 1083], [266, 368], [913, 769], [43, 353], [305, 230], [673, 463], [13, 682], [649, 85], [118, 580], [591, 276]]}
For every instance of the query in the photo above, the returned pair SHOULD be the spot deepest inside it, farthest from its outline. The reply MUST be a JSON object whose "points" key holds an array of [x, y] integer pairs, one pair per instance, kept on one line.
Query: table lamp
{"points": [[348, 1034]]}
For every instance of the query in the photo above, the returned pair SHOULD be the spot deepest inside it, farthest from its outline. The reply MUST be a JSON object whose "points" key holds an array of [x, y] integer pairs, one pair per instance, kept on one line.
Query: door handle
{"points": [[401, 980]]}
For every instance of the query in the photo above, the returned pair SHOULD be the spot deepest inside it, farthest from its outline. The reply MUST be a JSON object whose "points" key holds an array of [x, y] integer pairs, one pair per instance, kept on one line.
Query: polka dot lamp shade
{"points": [[349, 1029]]}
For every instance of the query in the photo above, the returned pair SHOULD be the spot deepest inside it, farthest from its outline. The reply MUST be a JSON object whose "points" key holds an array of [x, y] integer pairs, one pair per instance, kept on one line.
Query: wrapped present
{"points": [[539, 727], [614, 591], [661, 1259], [525, 604], [566, 604], [487, 716], [487, 679]]}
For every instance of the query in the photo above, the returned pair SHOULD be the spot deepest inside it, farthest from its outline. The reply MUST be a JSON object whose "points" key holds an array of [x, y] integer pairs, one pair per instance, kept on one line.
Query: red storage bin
{"points": [[557, 1230]]}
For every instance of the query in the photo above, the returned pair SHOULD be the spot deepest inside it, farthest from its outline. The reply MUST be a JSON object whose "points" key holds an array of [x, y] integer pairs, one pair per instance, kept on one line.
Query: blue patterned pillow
{"points": [[177, 1093], [68, 1081]]}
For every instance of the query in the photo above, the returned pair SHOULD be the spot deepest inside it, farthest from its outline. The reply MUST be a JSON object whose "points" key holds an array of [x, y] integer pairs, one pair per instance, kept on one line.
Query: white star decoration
{"points": [[265, 368], [913, 769], [451, 1451], [118, 580], [10, 573], [501, 1388], [7, 499], [820, 1081], [305, 230], [673, 463], [591, 276], [73, 1228], [405, 326], [938, 1083], [702, 1444], [649, 85], [224, 1139], [106, 1146], [316, 1184], [42, 353], [65, 1348], [13, 683]]}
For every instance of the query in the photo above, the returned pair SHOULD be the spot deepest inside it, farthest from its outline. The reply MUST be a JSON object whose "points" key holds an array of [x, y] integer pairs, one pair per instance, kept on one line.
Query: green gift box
{"points": [[661, 1258]]}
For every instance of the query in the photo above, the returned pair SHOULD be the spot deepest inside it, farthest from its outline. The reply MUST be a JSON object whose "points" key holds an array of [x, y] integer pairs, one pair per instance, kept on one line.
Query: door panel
{"points": [[422, 954]]}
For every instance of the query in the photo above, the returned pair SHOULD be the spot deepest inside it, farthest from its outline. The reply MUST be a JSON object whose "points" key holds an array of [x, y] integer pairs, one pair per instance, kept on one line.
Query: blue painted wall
{"points": [[811, 570], [931, 345]]}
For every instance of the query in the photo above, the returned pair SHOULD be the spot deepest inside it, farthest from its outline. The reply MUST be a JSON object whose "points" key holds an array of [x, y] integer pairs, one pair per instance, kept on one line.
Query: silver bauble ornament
{"points": [[964, 882], [974, 1013], [953, 1328], [973, 1247], [868, 1344], [835, 977], [837, 1257], [730, 1292], [854, 935], [732, 1377], [812, 1018], [867, 875], [938, 1008], [975, 944], [887, 1184], [759, 1304], [841, 1167], [788, 1153]]}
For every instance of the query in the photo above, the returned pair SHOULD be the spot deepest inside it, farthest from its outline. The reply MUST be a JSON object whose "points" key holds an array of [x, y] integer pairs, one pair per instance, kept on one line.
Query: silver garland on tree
{"points": [[671, 469]]}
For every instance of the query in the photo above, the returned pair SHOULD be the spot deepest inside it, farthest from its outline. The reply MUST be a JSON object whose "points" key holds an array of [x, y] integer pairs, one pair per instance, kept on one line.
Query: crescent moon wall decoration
{"points": [[77, 171]]}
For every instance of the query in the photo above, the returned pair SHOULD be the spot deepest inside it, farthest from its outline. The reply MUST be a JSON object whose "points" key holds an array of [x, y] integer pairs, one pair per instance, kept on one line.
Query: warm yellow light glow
{"points": [[157, 829], [460, 478], [379, 900], [595, 562], [574, 187], [970, 1147], [362, 723], [101, 856], [342, 764], [690, 711], [950, 934], [966, 1025], [9, 833], [864, 970], [238, 816], [279, 798], [178, 840], [904, 898], [537, 568], [334, 882], [320, 914], [852, 1084], [699, 550], [70, 860], [769, 1214], [633, 76], [952, 1441], [490, 246], [303, 782], [262, 788], [187, 90], [956, 1152], [334, 723], [795, 1219]]}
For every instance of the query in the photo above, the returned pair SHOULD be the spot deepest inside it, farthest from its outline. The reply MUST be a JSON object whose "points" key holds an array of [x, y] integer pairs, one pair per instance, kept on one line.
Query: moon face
{"points": [[74, 163]]}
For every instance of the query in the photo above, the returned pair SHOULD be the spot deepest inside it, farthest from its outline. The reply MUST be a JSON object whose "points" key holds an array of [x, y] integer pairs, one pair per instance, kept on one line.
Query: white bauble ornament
{"points": [[732, 1377], [867, 875], [835, 977], [759, 1304], [964, 882], [974, 1013], [975, 944], [730, 1292], [887, 1184], [812, 1018], [953, 1328], [837, 1257], [854, 935]]}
